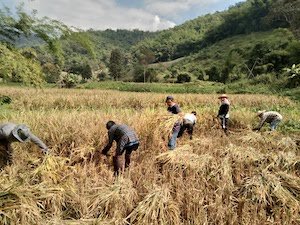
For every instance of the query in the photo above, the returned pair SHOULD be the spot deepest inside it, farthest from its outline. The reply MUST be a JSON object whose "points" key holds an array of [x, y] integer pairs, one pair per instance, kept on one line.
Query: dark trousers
{"points": [[117, 158], [189, 127], [5, 153], [224, 123]]}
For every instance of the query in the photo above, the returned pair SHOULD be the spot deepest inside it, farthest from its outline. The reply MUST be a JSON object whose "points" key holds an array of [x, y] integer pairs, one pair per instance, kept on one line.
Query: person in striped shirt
{"points": [[271, 117], [127, 141]]}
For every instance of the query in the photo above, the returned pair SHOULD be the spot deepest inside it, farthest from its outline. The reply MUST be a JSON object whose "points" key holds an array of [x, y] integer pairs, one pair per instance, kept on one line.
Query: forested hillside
{"points": [[252, 41]]}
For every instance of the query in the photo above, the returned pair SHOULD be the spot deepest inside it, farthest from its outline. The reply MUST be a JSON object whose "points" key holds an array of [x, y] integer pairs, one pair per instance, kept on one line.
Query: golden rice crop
{"points": [[243, 178]]}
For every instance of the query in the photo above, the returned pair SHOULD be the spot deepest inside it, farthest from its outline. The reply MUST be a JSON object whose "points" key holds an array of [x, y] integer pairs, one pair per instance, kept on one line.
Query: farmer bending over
{"points": [[10, 132], [189, 121], [271, 117], [127, 141]]}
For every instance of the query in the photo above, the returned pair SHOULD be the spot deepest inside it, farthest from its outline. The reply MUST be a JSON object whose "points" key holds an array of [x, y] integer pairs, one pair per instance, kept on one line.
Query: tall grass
{"points": [[244, 178]]}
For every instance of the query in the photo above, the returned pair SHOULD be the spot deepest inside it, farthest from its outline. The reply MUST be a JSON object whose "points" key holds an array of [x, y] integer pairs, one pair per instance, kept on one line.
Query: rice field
{"points": [[244, 178]]}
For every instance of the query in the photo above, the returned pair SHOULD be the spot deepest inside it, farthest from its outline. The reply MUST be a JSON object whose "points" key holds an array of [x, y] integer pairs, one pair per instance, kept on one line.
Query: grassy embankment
{"points": [[245, 178]]}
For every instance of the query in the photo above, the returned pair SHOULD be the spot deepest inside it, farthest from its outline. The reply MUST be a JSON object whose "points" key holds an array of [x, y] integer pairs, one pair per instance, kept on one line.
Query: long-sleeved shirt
{"points": [[224, 109], [7, 130], [123, 135], [189, 118], [268, 117], [175, 109]]}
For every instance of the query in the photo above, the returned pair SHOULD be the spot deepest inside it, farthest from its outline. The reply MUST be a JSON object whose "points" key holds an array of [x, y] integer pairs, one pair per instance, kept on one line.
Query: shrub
{"points": [[183, 78], [293, 76], [69, 80], [52, 72], [4, 99], [17, 68]]}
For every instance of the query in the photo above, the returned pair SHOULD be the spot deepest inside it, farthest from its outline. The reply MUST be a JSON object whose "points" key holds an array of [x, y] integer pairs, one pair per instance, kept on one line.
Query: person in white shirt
{"points": [[189, 121]]}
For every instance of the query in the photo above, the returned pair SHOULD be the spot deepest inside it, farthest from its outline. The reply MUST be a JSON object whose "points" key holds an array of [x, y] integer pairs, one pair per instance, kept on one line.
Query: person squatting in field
{"points": [[189, 121], [173, 108], [271, 117], [11, 132], [223, 113], [127, 141]]}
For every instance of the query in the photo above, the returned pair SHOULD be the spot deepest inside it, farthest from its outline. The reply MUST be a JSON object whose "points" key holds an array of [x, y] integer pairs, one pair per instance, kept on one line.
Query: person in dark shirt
{"points": [[173, 108], [127, 141], [223, 113]]}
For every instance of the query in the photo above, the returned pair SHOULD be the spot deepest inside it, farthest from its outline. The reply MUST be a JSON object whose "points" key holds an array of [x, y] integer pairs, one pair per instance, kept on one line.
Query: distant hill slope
{"points": [[103, 42], [267, 50], [243, 18]]}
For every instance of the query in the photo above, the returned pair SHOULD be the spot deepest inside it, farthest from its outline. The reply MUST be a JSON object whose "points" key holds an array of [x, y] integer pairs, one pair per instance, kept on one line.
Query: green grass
{"points": [[201, 87], [195, 87]]}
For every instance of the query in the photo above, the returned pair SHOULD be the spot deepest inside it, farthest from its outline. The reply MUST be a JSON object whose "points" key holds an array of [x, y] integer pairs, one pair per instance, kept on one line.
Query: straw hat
{"points": [[21, 133], [223, 96]]}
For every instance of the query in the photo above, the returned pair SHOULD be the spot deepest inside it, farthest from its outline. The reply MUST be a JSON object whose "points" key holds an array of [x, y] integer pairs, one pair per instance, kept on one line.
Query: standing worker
{"points": [[173, 108], [271, 117], [127, 141], [189, 121], [11, 132], [223, 113]]}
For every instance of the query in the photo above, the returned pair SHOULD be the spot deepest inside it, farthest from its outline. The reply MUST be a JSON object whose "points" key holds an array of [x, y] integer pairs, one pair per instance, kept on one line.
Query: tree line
{"points": [[43, 50]]}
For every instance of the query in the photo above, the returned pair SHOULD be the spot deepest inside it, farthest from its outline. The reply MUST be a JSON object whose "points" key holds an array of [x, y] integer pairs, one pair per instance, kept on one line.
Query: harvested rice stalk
{"points": [[157, 208], [115, 200], [184, 159], [273, 190], [244, 154]]}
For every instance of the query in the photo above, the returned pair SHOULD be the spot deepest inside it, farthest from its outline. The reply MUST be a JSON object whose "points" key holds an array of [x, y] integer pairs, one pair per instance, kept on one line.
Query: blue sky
{"points": [[149, 15]]}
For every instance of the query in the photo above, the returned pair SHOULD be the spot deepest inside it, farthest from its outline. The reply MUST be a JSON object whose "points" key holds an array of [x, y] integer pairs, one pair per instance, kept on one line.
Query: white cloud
{"points": [[171, 8], [99, 14], [108, 14]]}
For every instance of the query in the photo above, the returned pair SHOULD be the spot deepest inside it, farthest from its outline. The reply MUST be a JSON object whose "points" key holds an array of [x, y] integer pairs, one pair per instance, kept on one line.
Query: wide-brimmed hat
{"points": [[21, 132], [260, 112], [223, 96]]}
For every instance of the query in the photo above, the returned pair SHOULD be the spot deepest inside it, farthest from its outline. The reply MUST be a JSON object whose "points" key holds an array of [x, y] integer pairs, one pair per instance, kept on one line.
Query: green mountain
{"points": [[250, 39], [256, 41]]}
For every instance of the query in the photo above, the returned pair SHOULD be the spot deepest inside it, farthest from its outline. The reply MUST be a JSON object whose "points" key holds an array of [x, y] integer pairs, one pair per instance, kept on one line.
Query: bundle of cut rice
{"points": [[157, 208], [183, 158], [114, 200]]}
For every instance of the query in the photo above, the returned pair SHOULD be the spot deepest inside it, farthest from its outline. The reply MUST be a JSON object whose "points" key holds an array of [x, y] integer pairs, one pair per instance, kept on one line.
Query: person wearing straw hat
{"points": [[174, 108], [11, 132], [223, 112], [127, 141], [271, 117]]}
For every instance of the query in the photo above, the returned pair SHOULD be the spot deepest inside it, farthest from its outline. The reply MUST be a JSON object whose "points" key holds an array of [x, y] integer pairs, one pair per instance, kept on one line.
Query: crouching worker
{"points": [[10, 132], [189, 121], [271, 117], [127, 141]]}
